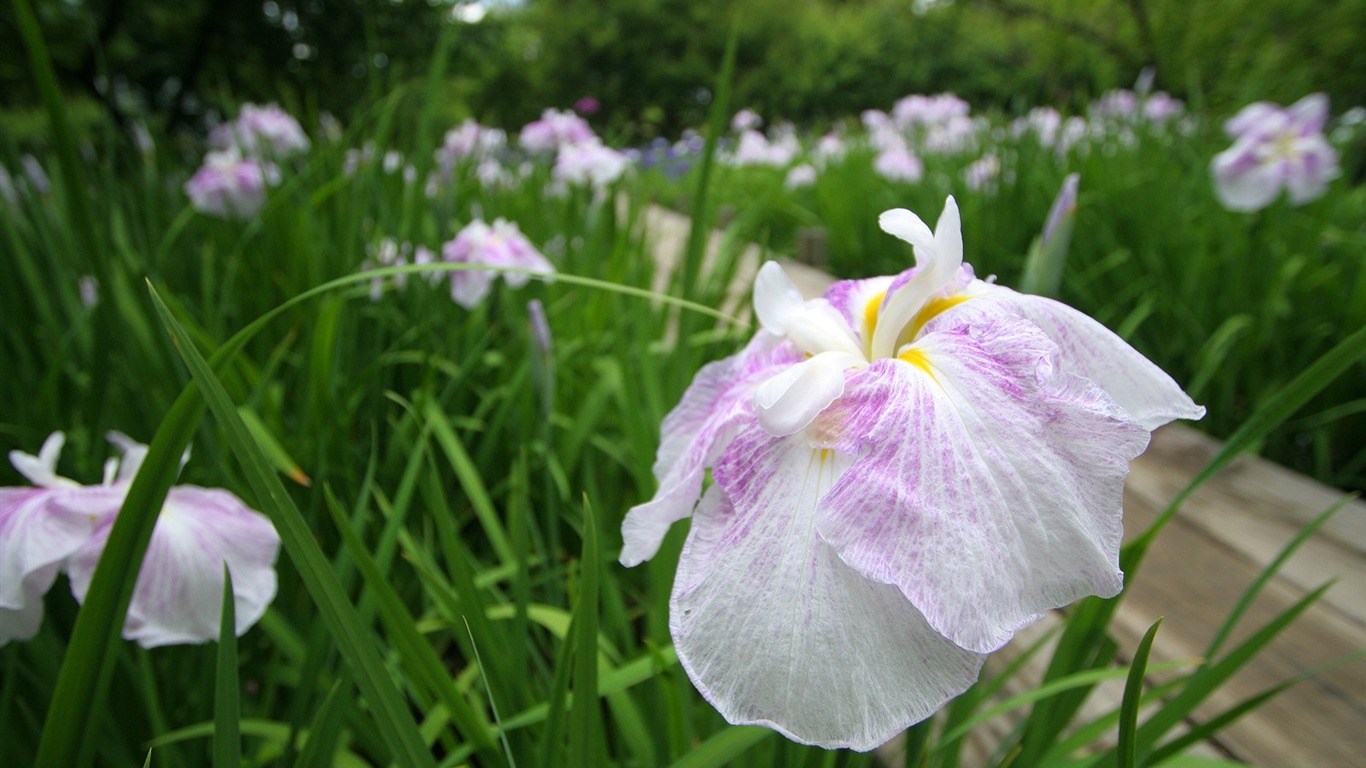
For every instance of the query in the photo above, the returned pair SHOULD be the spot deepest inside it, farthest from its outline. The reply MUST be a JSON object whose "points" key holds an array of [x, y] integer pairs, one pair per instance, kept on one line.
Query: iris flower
{"points": [[1275, 148], [499, 245], [61, 525], [904, 473]]}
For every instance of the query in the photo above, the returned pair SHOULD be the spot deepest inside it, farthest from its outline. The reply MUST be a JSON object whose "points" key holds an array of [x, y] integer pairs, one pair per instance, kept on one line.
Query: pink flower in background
{"points": [[903, 474], [590, 163], [466, 141], [229, 185], [587, 106], [268, 131], [754, 148], [60, 525], [800, 176], [554, 130], [983, 172], [746, 120], [500, 245], [917, 109], [1275, 148], [898, 163], [830, 148]]}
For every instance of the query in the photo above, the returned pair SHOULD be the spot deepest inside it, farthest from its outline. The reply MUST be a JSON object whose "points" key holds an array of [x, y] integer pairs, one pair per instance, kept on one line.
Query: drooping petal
{"points": [[1090, 350], [694, 434], [793, 397], [775, 630], [179, 591], [36, 537], [988, 488], [904, 224], [1241, 183]]}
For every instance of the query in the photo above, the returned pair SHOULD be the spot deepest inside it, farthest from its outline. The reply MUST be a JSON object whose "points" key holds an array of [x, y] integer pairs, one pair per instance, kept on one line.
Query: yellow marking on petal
{"points": [[870, 310], [918, 359], [932, 308]]}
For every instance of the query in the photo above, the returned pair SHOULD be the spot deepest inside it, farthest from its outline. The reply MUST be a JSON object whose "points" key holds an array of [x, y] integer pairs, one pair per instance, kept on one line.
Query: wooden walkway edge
{"points": [[1212, 551]]}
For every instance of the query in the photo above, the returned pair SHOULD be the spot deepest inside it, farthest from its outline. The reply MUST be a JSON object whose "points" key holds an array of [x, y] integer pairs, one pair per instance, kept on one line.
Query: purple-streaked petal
{"points": [[988, 488], [775, 630], [1243, 183], [1309, 114], [1310, 171], [695, 433], [37, 535], [179, 592], [1090, 350]]}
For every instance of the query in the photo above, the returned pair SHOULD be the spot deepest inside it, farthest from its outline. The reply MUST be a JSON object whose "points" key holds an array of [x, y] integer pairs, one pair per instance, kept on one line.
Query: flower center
{"points": [[928, 311]]}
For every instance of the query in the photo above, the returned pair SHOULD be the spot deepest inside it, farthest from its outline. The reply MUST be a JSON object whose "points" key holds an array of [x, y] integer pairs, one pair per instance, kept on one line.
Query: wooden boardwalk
{"points": [[1222, 538]]}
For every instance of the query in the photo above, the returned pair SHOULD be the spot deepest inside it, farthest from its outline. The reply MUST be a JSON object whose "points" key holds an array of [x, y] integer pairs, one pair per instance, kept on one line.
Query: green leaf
{"points": [[584, 717], [391, 715], [415, 653], [321, 744], [1133, 691], [724, 746], [227, 710]]}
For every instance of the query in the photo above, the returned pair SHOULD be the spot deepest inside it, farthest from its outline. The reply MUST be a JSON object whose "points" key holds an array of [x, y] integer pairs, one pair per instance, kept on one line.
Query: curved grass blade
{"points": [[392, 717], [321, 745], [724, 747], [424, 668], [88, 664], [1267, 573], [1127, 748], [227, 710]]}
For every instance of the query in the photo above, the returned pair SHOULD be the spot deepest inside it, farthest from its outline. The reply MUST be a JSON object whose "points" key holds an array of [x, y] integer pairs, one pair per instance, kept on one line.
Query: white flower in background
{"points": [[229, 185], [590, 163], [60, 525], [499, 245], [983, 172], [746, 120], [904, 473], [800, 176], [553, 130], [1275, 148], [898, 163], [264, 132]]}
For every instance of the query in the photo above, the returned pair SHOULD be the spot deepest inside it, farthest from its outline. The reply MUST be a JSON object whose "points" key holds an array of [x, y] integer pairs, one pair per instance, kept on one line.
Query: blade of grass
{"points": [[321, 745], [1266, 575], [394, 721], [585, 739], [724, 746], [1127, 749], [424, 667], [227, 710]]}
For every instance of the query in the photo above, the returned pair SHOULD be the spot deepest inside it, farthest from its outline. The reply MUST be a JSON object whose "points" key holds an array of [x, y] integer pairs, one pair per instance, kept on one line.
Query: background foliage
{"points": [[650, 62]]}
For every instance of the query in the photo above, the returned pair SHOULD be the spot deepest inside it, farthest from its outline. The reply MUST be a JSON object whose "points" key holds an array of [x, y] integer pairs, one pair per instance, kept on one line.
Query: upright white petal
{"points": [[774, 630], [41, 470]]}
